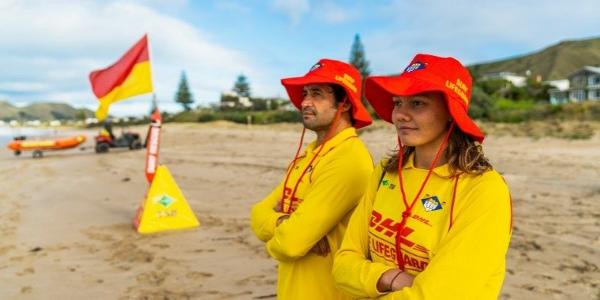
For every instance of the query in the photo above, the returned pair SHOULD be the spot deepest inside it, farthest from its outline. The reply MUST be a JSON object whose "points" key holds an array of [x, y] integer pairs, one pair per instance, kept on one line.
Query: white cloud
{"points": [[23, 86], [475, 31], [327, 11], [332, 13], [47, 49], [294, 9], [56, 44]]}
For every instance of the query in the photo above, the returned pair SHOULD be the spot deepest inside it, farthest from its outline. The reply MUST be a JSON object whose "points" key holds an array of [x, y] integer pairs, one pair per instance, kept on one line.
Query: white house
{"points": [[89, 121], [245, 102], [511, 77], [583, 84], [561, 84]]}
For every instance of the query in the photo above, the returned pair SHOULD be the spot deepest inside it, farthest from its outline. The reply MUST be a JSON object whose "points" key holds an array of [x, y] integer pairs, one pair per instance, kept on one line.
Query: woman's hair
{"points": [[463, 153]]}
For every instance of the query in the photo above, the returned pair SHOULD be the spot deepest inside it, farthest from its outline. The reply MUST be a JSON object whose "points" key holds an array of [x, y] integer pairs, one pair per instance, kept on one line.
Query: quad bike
{"points": [[106, 140]]}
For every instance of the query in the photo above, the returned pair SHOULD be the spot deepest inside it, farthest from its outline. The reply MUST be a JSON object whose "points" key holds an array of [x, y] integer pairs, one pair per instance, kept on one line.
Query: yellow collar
{"points": [[331, 143], [442, 171]]}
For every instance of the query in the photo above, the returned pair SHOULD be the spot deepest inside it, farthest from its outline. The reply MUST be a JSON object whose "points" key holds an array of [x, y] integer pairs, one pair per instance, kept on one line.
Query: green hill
{"points": [[42, 112], [554, 62], [7, 110]]}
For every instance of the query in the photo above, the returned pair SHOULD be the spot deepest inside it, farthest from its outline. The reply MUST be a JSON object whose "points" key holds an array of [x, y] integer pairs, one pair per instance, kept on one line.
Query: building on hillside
{"points": [[582, 85], [33, 123], [511, 77], [287, 106], [231, 100], [91, 121], [245, 102]]}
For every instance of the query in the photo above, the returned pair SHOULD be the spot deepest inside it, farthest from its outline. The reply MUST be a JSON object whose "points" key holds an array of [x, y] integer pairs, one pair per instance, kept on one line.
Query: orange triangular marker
{"points": [[165, 207]]}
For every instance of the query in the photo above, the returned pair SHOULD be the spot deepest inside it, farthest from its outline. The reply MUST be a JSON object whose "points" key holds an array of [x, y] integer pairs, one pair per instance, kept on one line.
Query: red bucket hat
{"points": [[427, 73], [332, 72]]}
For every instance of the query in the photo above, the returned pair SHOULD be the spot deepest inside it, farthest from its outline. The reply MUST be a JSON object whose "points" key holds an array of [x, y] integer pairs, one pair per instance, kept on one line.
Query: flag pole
{"points": [[154, 101]]}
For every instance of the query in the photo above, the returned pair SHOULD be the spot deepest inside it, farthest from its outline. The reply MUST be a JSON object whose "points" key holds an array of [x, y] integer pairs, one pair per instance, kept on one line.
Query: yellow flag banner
{"points": [[129, 76]]}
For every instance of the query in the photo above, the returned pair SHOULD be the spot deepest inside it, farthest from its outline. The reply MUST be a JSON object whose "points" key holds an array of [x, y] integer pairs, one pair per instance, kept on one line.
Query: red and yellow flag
{"points": [[128, 77]]}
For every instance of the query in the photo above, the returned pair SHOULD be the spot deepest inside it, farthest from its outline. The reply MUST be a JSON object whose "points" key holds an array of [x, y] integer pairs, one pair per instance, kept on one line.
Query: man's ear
{"points": [[346, 105]]}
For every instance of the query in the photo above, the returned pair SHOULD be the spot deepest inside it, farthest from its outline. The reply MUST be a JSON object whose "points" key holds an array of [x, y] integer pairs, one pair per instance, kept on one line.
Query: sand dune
{"points": [[65, 220]]}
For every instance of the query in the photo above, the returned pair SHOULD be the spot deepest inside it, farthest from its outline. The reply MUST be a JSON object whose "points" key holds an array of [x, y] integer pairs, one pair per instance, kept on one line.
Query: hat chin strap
{"points": [[408, 208], [328, 136]]}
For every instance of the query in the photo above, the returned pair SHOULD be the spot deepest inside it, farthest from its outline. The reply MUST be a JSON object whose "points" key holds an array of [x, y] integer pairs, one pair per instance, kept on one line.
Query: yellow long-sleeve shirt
{"points": [[456, 249], [327, 195]]}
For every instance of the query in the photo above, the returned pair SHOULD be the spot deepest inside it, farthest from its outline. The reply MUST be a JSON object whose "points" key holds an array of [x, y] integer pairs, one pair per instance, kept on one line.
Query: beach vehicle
{"points": [[20, 144], [106, 140]]}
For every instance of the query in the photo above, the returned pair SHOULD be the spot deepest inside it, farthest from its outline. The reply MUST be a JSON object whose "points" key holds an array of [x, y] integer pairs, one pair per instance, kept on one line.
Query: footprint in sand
{"points": [[16, 259], [99, 236], [237, 225], [152, 278], [161, 246], [6, 249], [553, 291], [163, 262], [528, 287], [543, 277], [526, 245], [26, 290], [136, 293], [129, 253], [211, 221], [204, 250], [198, 275], [26, 271], [584, 267], [254, 280]]}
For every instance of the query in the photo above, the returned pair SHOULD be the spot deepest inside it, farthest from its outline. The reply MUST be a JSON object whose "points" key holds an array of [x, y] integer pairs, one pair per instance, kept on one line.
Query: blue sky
{"points": [[48, 48]]}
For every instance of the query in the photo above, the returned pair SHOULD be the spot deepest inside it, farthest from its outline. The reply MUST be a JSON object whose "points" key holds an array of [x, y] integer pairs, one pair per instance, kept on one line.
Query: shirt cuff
{"points": [[377, 269]]}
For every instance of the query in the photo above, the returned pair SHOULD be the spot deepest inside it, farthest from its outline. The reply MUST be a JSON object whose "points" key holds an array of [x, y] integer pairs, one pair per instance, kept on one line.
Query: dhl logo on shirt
{"points": [[415, 256], [388, 227], [291, 204]]}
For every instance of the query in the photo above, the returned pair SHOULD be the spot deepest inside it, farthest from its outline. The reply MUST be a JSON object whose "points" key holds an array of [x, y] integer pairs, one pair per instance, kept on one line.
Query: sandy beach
{"points": [[65, 219]]}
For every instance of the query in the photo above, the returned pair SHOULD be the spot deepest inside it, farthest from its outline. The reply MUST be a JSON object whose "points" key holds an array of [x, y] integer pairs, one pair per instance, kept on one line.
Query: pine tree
{"points": [[183, 95], [241, 86], [360, 62], [358, 58]]}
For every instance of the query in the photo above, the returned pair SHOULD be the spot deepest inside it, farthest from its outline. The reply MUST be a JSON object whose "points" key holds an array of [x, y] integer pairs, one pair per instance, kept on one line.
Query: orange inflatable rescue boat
{"points": [[20, 144]]}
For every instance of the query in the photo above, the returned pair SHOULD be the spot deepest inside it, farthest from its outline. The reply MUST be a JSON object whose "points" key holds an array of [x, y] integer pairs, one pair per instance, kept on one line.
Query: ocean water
{"points": [[7, 133]]}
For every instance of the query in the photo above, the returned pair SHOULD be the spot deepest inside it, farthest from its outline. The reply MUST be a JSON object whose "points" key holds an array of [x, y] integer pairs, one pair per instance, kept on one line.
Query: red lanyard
{"points": [[338, 114], [408, 208]]}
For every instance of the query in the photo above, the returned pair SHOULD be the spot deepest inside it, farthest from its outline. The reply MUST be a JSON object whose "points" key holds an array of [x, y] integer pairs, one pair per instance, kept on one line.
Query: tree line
{"points": [[490, 98]]}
